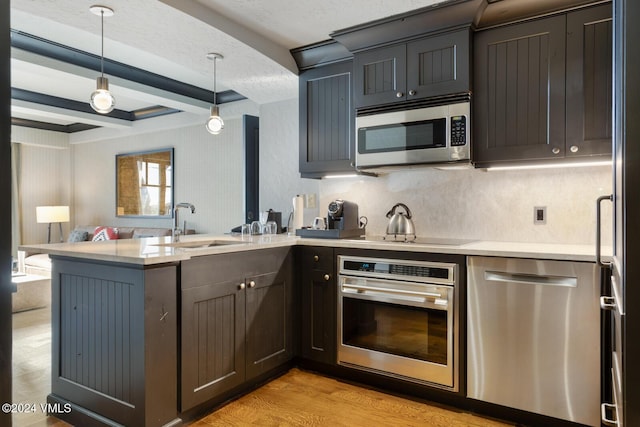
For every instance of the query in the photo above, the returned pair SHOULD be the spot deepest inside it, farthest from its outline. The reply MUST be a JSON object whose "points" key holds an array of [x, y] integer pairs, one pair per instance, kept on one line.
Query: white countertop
{"points": [[147, 251]]}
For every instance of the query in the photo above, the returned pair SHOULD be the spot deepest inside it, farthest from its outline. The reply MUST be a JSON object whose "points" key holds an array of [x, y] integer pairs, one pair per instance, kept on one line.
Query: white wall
{"points": [[279, 150], [208, 172], [44, 179]]}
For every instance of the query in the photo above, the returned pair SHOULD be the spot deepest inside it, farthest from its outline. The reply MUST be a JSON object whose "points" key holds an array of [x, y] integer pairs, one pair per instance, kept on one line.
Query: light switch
{"points": [[540, 215]]}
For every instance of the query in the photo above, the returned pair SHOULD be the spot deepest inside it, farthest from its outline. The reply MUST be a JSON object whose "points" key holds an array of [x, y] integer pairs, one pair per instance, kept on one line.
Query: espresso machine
{"points": [[343, 215]]}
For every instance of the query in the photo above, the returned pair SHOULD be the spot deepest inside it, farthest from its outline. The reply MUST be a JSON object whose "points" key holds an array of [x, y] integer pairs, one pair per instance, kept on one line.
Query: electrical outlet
{"points": [[540, 215], [310, 200]]}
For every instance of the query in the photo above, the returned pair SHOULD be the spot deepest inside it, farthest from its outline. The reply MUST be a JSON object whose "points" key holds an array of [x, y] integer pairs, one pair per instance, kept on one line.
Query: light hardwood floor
{"points": [[298, 398], [301, 398]]}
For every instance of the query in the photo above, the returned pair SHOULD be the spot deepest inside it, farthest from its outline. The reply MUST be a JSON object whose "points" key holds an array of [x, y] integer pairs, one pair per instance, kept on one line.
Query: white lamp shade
{"points": [[48, 214]]}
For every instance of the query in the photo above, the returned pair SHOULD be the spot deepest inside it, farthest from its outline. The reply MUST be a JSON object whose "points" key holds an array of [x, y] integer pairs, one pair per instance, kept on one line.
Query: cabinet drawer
{"points": [[318, 258]]}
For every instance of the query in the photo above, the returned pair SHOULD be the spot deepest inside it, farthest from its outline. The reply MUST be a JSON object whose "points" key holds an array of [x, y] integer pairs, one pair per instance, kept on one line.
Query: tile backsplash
{"points": [[486, 205]]}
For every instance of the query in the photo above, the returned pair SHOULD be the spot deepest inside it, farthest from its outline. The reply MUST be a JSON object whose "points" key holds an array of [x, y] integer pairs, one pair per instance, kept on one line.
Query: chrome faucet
{"points": [[175, 230]]}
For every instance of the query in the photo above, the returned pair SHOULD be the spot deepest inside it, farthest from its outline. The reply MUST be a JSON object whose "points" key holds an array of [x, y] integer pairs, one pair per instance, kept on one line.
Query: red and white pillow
{"points": [[105, 233]]}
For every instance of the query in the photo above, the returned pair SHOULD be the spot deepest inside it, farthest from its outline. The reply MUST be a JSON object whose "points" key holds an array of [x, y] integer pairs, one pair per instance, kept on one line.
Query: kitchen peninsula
{"points": [[134, 321]]}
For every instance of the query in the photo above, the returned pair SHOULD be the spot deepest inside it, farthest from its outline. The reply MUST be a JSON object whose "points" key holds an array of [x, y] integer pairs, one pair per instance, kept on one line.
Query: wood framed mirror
{"points": [[144, 184]]}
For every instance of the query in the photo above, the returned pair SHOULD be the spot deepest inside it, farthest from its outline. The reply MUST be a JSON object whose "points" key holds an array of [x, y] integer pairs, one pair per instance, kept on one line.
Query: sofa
{"points": [[40, 264], [37, 293]]}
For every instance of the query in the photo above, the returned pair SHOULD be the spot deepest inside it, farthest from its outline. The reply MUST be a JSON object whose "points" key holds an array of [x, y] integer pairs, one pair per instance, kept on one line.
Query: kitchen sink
{"points": [[202, 244]]}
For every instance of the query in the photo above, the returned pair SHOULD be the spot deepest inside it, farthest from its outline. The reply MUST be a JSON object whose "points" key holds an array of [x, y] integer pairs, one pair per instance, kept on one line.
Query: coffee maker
{"points": [[343, 215]]}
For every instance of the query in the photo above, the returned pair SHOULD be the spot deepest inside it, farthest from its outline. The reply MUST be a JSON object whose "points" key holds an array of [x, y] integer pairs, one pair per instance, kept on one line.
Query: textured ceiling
{"points": [[172, 38]]}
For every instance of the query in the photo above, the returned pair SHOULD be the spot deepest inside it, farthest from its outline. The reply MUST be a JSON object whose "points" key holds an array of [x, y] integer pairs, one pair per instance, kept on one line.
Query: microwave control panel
{"points": [[458, 130]]}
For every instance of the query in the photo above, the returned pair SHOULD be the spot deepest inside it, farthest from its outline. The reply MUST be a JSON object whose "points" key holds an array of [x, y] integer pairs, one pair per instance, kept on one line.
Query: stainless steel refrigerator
{"points": [[623, 301]]}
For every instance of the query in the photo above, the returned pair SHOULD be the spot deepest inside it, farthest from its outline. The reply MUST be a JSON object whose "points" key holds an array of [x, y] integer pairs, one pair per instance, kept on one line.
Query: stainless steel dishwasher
{"points": [[533, 336]]}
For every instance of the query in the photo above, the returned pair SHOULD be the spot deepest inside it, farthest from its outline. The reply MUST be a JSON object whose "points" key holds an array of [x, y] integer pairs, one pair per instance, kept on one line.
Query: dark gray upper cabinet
{"points": [[519, 100], [589, 77], [327, 120], [543, 89], [431, 66]]}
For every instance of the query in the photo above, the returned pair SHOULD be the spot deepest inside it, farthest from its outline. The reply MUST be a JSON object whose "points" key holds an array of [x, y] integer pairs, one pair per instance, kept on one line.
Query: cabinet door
{"points": [[269, 324], [589, 81], [319, 303], [327, 119], [380, 76], [519, 107], [213, 346], [438, 65]]}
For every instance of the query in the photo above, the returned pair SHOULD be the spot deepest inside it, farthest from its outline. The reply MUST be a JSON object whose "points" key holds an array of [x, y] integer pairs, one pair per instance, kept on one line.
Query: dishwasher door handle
{"points": [[530, 279]]}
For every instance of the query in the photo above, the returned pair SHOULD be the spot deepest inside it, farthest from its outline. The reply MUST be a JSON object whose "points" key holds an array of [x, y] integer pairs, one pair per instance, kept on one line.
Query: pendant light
{"points": [[215, 123], [101, 100]]}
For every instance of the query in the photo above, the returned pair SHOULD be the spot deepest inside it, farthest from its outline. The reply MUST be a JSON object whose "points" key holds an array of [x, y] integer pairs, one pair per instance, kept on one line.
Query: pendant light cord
{"points": [[102, 43], [215, 92]]}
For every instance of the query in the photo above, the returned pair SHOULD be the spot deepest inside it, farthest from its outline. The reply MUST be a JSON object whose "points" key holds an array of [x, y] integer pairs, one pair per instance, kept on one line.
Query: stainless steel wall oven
{"points": [[399, 318]]}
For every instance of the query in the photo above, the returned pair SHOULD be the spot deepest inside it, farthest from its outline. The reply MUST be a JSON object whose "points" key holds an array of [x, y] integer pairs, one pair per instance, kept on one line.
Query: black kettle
{"points": [[400, 223]]}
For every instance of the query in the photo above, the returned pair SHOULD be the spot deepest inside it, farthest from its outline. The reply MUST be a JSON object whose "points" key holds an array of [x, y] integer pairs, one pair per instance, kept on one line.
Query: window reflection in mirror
{"points": [[144, 184]]}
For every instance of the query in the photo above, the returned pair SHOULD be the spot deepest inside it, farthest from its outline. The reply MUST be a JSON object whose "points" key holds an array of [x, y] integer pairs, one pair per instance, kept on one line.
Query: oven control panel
{"points": [[419, 271]]}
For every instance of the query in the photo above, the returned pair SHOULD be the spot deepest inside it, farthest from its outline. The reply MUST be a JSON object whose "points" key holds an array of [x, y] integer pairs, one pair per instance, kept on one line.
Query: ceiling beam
{"points": [[88, 61]]}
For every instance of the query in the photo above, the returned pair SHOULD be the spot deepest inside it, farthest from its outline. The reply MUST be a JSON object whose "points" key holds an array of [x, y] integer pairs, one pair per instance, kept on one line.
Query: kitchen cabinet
{"points": [[114, 342], [236, 320], [543, 89], [319, 303], [327, 120], [431, 66], [589, 81]]}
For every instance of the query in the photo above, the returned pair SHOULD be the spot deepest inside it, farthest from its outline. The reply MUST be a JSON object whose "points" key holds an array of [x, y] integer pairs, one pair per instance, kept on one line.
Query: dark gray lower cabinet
{"points": [[236, 320], [319, 302], [114, 342]]}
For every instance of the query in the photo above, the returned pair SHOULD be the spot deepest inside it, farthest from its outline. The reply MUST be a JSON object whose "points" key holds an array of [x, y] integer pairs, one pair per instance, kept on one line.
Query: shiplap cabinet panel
{"points": [[327, 119], [519, 91], [236, 320], [428, 67], [114, 328], [589, 88], [543, 89], [380, 75]]}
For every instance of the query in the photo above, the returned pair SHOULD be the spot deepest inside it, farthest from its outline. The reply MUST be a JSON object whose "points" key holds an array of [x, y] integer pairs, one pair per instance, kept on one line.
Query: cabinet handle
{"points": [[399, 94], [316, 258], [252, 284], [574, 148], [412, 92], [555, 150], [327, 277], [241, 286], [598, 233]]}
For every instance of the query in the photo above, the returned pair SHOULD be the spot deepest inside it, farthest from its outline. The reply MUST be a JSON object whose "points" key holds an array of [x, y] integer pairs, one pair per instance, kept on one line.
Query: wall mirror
{"points": [[144, 184]]}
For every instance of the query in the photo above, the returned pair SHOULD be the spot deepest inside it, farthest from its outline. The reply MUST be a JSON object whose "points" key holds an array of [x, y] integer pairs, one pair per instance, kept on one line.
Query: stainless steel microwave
{"points": [[435, 134]]}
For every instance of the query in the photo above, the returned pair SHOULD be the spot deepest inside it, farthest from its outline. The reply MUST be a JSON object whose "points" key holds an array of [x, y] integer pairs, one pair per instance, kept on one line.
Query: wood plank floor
{"points": [[298, 398]]}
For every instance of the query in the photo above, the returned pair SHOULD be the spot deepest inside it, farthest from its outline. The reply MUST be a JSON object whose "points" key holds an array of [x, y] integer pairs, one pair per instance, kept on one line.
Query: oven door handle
{"points": [[393, 291]]}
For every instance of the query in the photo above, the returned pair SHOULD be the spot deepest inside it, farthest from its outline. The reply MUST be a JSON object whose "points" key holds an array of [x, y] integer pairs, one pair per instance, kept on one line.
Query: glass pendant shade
{"points": [[215, 123], [101, 100]]}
